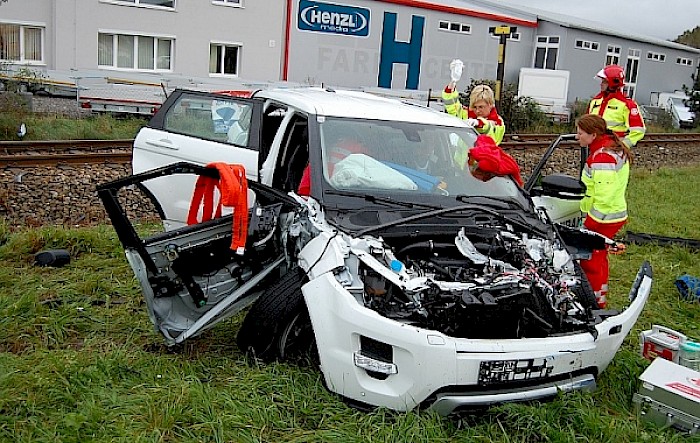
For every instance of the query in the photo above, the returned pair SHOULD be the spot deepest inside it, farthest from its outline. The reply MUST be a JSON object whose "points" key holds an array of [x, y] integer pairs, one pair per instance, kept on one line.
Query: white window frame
{"points": [[586, 45], [632, 71], [23, 26], [656, 56], [115, 51], [548, 43], [684, 61], [232, 3], [455, 27], [138, 4], [612, 56], [239, 49]]}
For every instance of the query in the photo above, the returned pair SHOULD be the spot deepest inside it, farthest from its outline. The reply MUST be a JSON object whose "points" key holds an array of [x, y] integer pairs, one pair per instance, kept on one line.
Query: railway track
{"points": [[56, 152]]}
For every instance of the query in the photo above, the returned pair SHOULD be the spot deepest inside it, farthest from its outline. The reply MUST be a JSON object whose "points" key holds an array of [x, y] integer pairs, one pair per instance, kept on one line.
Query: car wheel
{"points": [[277, 326], [584, 292]]}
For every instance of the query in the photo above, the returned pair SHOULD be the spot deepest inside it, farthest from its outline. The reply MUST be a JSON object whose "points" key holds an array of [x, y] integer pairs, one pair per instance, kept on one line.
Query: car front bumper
{"points": [[451, 373]]}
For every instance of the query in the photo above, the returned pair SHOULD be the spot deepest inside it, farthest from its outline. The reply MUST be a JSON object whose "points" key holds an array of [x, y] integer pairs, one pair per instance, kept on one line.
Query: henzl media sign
{"points": [[332, 18]]}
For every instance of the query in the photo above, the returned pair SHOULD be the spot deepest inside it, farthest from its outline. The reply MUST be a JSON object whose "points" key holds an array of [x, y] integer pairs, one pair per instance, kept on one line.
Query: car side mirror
{"points": [[563, 186]]}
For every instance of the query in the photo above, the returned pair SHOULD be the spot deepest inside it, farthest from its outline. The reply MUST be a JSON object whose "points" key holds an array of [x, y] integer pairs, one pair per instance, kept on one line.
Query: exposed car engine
{"points": [[507, 286]]}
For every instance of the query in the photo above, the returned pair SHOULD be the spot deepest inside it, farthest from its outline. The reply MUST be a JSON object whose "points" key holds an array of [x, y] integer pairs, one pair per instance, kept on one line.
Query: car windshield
{"points": [[405, 159]]}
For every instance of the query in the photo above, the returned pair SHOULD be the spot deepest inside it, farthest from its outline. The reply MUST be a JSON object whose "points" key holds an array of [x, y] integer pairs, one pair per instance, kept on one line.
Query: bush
{"points": [[521, 114]]}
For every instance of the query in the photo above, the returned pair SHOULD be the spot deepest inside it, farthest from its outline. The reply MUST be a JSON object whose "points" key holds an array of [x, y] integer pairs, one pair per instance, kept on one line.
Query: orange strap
{"points": [[233, 187]]}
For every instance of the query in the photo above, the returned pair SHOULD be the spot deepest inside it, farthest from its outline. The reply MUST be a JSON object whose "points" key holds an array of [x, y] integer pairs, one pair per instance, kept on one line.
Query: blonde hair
{"points": [[481, 93]]}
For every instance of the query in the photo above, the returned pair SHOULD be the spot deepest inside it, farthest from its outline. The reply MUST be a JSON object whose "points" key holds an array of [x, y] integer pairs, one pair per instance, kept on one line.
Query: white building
{"points": [[402, 44]]}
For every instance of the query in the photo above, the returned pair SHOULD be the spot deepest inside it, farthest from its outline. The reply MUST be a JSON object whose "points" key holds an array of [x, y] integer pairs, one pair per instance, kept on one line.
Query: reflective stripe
{"points": [[613, 216], [614, 123], [604, 167], [450, 101], [641, 129]]}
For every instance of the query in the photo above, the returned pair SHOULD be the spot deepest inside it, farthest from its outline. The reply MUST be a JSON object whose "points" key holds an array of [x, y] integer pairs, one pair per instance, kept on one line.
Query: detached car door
{"points": [[200, 128], [190, 277]]}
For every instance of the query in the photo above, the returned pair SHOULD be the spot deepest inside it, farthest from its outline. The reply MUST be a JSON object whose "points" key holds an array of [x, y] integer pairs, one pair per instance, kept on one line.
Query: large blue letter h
{"points": [[400, 52]]}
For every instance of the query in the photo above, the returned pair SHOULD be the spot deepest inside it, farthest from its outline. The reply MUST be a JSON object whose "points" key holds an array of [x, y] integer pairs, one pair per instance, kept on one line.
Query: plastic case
{"points": [[661, 341], [669, 396]]}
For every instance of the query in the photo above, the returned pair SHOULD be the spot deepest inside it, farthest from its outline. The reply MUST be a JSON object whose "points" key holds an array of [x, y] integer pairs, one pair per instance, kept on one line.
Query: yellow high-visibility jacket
{"points": [[621, 115], [493, 125], [605, 175]]}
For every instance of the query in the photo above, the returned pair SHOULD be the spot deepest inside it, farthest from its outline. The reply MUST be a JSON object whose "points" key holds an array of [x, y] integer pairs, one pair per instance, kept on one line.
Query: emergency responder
{"points": [[481, 113], [620, 113], [605, 175]]}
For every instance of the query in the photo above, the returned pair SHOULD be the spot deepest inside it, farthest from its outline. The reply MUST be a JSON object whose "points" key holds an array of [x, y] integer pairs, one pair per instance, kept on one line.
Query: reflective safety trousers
{"points": [[621, 115], [605, 175], [492, 126]]}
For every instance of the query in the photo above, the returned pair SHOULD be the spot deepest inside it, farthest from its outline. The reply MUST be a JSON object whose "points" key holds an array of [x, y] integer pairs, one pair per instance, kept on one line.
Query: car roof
{"points": [[357, 104]]}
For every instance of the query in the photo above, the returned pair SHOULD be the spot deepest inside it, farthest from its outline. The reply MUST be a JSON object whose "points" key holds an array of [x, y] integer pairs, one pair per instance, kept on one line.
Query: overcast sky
{"points": [[654, 18]]}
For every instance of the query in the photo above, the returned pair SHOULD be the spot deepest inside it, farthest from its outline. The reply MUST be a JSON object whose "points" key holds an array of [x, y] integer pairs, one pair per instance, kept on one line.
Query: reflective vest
{"points": [[605, 175], [621, 114], [492, 126]]}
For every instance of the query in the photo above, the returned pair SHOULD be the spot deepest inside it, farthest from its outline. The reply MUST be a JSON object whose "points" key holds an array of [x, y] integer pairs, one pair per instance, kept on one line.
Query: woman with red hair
{"points": [[605, 175]]}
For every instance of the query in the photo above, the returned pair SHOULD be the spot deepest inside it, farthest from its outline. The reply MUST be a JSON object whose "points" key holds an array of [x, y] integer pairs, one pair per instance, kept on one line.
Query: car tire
{"points": [[277, 326], [584, 292]]}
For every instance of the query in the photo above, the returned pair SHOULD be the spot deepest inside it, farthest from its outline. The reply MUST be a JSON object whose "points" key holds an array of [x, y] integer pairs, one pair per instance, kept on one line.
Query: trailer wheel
{"points": [[277, 326]]}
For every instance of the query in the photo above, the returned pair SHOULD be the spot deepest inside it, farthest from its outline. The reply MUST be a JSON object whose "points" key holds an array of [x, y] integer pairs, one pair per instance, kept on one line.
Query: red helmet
{"points": [[614, 75]]}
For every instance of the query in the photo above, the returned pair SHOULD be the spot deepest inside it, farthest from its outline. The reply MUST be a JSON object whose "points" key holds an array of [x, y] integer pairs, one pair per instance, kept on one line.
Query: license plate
{"points": [[505, 371]]}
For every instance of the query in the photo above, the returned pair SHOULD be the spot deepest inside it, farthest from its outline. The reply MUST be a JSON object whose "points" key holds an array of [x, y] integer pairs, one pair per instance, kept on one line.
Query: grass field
{"points": [[79, 360]]}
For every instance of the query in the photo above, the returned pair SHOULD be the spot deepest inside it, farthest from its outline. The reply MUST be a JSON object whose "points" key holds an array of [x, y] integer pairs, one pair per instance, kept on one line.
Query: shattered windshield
{"points": [[406, 159]]}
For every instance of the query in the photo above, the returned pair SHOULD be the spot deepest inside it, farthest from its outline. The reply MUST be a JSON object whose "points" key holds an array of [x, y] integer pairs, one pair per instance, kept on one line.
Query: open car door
{"points": [[558, 194], [190, 277], [193, 126]]}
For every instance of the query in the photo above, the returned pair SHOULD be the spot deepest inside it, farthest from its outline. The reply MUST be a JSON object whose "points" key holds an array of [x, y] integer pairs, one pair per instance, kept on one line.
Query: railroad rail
{"points": [[56, 152]]}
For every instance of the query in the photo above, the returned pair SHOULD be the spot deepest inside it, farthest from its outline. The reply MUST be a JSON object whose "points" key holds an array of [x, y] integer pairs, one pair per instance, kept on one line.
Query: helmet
{"points": [[614, 75]]}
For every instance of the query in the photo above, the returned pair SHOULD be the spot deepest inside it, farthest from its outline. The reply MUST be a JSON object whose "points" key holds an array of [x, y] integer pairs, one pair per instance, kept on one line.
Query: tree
{"points": [[690, 38], [693, 94]]}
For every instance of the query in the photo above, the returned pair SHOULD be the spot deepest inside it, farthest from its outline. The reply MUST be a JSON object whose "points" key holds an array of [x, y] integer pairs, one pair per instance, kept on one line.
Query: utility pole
{"points": [[503, 32]]}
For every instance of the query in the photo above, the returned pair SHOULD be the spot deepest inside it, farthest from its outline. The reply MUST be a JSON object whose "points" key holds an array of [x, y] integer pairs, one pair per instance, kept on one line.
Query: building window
{"points": [[613, 55], [684, 61], [137, 52], [224, 58], [587, 45], [656, 56], [159, 3], [461, 28], [227, 2], [546, 52], [21, 43], [632, 71]]}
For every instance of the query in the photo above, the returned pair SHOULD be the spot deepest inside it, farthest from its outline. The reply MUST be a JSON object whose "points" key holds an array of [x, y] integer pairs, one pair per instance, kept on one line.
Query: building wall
{"points": [[72, 27], [342, 59], [356, 61], [652, 75]]}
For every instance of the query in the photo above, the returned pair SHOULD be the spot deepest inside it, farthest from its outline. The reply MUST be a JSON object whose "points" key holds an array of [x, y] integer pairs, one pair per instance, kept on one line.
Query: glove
{"points": [[472, 122], [456, 66]]}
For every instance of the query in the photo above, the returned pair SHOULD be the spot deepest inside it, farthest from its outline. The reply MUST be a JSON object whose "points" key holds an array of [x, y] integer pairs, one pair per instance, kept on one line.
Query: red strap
{"points": [[233, 187]]}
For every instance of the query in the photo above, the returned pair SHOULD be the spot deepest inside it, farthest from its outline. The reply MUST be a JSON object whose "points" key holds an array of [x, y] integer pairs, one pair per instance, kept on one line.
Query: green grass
{"points": [[79, 360], [50, 127]]}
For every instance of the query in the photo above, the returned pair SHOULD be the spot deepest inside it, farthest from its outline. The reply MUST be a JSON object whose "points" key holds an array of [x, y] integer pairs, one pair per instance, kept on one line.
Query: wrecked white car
{"points": [[410, 282]]}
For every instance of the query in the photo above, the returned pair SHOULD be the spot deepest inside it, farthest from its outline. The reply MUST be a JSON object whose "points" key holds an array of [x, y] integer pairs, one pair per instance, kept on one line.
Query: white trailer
{"points": [[549, 89]]}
